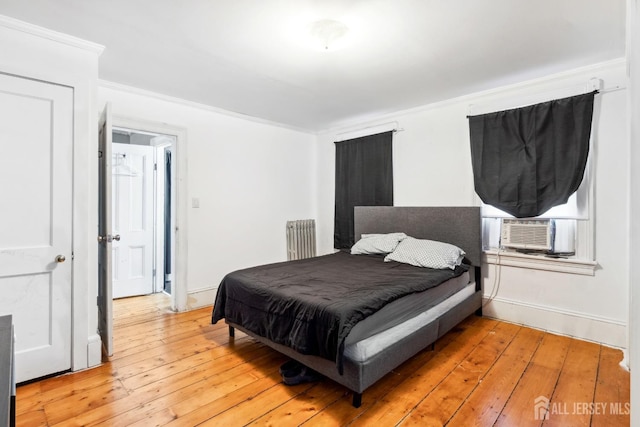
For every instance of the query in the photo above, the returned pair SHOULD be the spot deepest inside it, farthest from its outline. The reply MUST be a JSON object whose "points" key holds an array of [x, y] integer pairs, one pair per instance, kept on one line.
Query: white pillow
{"points": [[426, 253], [371, 244]]}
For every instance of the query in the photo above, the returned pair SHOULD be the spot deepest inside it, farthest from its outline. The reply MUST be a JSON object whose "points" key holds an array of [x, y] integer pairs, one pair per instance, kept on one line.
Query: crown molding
{"points": [[55, 36], [167, 98], [594, 69]]}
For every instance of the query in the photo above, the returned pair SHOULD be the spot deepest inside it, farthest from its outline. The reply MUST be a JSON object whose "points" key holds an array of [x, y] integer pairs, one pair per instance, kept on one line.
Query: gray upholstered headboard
{"points": [[459, 226]]}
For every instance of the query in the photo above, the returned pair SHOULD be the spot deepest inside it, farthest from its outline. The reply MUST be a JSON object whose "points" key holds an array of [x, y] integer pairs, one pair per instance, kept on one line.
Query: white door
{"points": [[132, 171], [105, 300], [36, 135]]}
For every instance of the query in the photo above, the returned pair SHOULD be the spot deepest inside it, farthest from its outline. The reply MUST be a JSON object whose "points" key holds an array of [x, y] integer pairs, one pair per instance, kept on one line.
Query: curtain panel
{"points": [[364, 177], [530, 159], [167, 213]]}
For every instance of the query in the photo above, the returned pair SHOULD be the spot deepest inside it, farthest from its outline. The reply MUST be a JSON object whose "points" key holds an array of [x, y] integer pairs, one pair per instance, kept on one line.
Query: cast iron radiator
{"points": [[301, 239]]}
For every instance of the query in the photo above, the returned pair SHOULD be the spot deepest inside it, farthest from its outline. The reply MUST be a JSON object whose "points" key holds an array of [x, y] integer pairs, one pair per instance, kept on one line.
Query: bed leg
{"points": [[357, 400], [432, 347], [232, 332], [478, 278]]}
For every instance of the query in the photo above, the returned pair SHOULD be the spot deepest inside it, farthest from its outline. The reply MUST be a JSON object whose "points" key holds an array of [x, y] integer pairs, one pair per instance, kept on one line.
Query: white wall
{"points": [[633, 56], [250, 178], [432, 167]]}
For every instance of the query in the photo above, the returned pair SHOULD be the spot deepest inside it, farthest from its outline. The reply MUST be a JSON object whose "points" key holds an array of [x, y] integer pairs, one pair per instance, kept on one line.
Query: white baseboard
{"points": [[94, 351], [200, 297], [610, 332]]}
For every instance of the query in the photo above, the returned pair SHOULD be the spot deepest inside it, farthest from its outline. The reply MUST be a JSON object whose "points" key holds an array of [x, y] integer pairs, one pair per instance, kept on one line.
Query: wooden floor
{"points": [[179, 370]]}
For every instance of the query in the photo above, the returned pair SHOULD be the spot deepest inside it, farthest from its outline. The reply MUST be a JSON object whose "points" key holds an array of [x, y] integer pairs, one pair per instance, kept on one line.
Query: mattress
{"points": [[442, 300], [405, 308]]}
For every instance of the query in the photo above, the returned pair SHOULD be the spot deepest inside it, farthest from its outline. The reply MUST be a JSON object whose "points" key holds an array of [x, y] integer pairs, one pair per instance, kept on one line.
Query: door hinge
{"points": [[154, 272], [155, 166], [99, 301], [99, 154]]}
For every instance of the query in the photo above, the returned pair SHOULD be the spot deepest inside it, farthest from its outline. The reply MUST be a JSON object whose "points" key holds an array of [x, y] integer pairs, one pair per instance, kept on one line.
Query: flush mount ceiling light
{"points": [[328, 34]]}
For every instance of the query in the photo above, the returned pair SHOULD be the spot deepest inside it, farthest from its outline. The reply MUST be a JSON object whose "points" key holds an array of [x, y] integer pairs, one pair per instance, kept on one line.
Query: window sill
{"points": [[539, 262]]}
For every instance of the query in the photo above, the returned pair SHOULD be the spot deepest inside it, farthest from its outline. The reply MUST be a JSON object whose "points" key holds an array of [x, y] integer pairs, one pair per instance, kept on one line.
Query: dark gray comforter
{"points": [[311, 305]]}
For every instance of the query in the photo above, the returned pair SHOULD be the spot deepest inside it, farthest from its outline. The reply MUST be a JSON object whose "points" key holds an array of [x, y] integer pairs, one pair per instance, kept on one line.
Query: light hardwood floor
{"points": [[179, 370]]}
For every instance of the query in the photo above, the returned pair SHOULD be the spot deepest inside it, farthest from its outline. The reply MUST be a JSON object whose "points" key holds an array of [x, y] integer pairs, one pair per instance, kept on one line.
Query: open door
{"points": [[133, 210], [105, 300]]}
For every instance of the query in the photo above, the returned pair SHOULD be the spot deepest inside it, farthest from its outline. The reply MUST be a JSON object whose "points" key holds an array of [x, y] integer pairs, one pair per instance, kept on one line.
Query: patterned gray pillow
{"points": [[372, 244], [426, 253]]}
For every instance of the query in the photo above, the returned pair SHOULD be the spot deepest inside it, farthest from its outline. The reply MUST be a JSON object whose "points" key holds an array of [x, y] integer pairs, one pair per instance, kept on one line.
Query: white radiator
{"points": [[301, 239]]}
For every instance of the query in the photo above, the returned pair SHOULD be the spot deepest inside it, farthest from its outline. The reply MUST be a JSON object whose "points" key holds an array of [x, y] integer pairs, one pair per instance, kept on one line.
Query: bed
{"points": [[382, 320]]}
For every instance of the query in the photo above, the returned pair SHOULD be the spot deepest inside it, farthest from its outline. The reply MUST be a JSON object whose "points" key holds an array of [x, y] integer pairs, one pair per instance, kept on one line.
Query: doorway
{"points": [[142, 249], [106, 236], [173, 140]]}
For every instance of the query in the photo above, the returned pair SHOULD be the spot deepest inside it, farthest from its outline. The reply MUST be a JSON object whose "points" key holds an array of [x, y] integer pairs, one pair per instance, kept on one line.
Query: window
{"points": [[364, 177], [571, 221], [528, 159], [574, 233]]}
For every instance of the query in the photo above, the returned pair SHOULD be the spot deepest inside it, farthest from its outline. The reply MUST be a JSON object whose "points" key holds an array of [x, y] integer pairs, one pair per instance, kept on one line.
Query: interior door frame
{"points": [[179, 196], [41, 54]]}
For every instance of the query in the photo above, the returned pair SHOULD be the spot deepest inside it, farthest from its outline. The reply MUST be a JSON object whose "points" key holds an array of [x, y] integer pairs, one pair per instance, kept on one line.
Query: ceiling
{"points": [[251, 57]]}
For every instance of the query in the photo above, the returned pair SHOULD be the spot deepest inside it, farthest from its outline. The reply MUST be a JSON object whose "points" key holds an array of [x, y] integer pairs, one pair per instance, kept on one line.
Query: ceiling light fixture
{"points": [[328, 34]]}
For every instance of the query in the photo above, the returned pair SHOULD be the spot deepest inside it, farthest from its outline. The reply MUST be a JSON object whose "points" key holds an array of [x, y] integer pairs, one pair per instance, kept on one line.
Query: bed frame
{"points": [[456, 225]]}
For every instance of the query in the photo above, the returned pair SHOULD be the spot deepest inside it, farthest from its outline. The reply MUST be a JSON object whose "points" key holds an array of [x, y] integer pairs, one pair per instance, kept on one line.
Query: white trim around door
{"points": [[179, 243]]}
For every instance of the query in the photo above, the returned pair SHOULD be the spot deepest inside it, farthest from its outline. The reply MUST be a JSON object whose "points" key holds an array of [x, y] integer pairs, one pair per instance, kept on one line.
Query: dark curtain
{"points": [[527, 160], [364, 177], [167, 217]]}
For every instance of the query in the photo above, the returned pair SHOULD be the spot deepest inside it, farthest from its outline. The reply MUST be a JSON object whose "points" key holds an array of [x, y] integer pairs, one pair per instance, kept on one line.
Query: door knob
{"points": [[116, 237], [60, 258], [108, 238]]}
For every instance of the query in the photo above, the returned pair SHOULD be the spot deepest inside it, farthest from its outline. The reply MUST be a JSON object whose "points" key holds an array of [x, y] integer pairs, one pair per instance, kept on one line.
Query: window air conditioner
{"points": [[529, 234]]}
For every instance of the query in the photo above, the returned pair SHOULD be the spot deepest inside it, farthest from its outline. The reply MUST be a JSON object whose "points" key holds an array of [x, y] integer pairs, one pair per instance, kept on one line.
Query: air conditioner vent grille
{"points": [[527, 234]]}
